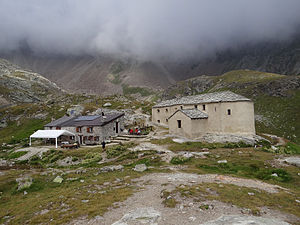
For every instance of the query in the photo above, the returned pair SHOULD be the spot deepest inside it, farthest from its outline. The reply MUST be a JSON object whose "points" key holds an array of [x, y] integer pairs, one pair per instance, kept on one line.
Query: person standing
{"points": [[103, 145]]}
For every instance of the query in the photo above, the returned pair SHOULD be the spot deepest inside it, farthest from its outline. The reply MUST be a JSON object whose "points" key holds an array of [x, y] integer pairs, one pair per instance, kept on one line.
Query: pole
{"points": [[29, 141], [56, 142]]}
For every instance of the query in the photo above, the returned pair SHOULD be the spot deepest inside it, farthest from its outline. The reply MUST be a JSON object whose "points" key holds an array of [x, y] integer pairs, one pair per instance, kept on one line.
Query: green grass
{"points": [[14, 155], [128, 90], [282, 115], [246, 76], [196, 146], [64, 201]]}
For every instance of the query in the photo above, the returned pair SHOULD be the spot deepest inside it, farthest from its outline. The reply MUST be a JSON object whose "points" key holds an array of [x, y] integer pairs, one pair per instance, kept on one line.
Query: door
{"points": [[117, 127]]}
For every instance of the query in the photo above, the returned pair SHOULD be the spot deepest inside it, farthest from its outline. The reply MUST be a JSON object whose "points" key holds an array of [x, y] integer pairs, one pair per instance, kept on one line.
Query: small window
{"points": [[196, 107], [166, 120], [158, 110], [229, 112], [181, 107], [215, 109], [58, 128], [158, 121], [175, 108], [78, 129], [89, 129], [203, 107], [179, 123], [167, 110]]}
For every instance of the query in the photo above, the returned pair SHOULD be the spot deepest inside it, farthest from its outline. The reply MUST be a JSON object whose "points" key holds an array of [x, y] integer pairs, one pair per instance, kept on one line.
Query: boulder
{"points": [[58, 179], [107, 104], [140, 168], [111, 168], [293, 161], [222, 161], [75, 110], [24, 182], [140, 216]]}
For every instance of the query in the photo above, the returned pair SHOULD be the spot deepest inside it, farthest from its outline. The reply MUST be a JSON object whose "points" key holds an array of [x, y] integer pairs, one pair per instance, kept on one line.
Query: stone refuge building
{"points": [[90, 129], [218, 112]]}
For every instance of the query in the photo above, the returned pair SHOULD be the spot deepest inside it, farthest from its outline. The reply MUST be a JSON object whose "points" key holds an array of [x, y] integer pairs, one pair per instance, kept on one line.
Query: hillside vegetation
{"points": [[276, 97]]}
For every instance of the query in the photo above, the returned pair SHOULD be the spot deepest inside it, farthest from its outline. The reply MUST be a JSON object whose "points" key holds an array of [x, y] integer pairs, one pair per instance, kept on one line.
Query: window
{"points": [[89, 129], [158, 121], [158, 110], [58, 128], [90, 138], [166, 110], [181, 107], [196, 107], [229, 112], [166, 120], [215, 109], [50, 128], [179, 123], [78, 129], [96, 138], [175, 108], [203, 107]]}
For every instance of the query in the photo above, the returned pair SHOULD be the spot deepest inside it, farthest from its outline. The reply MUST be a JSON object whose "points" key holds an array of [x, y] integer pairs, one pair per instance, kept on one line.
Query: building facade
{"points": [[219, 112], [90, 129]]}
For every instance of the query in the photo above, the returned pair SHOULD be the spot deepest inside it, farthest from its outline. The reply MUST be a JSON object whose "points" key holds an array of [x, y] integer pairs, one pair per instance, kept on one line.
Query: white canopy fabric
{"points": [[50, 134]]}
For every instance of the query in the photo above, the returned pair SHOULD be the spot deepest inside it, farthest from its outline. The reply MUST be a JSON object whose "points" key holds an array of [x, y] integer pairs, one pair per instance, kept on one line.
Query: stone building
{"points": [[218, 112], [90, 129]]}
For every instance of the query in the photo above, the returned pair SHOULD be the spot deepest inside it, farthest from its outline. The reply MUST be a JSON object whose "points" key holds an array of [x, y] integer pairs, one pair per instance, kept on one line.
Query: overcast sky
{"points": [[144, 28]]}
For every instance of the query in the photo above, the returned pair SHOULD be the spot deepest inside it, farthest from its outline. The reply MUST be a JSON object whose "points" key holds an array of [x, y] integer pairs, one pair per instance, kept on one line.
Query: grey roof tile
{"points": [[225, 96], [192, 113]]}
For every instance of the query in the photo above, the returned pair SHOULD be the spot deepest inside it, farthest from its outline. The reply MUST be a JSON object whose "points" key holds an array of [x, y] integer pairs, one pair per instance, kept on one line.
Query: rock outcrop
{"points": [[21, 86]]}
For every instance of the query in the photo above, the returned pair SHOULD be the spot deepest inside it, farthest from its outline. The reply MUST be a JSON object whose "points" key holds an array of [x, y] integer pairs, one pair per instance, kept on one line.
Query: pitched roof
{"points": [[79, 121], [59, 121], [225, 96], [192, 113]]}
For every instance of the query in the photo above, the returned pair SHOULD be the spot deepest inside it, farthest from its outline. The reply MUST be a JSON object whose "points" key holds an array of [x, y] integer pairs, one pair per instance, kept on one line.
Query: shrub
{"points": [[179, 160], [91, 157], [14, 155], [115, 151]]}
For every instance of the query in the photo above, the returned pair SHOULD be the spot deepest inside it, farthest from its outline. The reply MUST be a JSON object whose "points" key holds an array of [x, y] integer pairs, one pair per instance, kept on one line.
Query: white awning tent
{"points": [[50, 134]]}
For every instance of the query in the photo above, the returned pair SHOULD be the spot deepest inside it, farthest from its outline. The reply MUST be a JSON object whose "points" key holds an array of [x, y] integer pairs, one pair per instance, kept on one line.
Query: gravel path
{"points": [[31, 151], [145, 205]]}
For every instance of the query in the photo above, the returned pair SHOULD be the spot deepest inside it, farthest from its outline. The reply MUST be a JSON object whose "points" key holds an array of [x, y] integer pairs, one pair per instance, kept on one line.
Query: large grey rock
{"points": [[24, 182], [140, 216], [140, 168], [58, 179], [75, 110], [293, 161], [245, 220], [107, 104], [68, 161], [111, 168]]}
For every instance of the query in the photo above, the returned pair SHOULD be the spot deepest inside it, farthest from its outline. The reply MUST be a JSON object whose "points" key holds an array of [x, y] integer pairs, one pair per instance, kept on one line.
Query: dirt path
{"points": [[145, 206]]}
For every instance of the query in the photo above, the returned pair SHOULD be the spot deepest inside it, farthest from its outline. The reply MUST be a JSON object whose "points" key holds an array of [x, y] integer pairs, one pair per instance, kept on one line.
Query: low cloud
{"points": [[144, 29]]}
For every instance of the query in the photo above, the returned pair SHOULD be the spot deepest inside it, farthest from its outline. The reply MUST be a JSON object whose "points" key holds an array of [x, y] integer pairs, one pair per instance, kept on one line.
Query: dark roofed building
{"points": [[90, 129]]}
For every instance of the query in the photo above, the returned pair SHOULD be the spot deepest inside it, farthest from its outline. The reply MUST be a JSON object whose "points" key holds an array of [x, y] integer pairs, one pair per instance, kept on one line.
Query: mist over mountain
{"points": [[100, 46]]}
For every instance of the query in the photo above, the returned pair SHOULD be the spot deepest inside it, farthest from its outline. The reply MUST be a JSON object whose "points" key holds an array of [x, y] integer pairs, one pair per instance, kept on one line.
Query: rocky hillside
{"points": [[22, 86], [107, 75], [276, 97]]}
